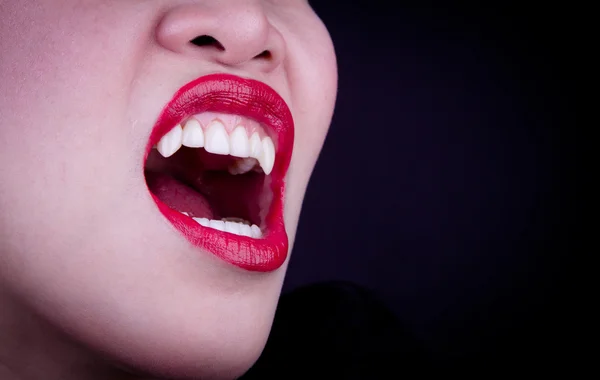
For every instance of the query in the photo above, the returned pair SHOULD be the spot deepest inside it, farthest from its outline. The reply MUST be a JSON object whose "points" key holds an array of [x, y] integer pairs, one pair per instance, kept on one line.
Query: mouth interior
{"points": [[199, 183]]}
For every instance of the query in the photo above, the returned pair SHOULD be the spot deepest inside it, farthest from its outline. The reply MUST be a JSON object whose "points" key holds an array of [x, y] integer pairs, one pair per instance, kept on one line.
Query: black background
{"points": [[444, 184]]}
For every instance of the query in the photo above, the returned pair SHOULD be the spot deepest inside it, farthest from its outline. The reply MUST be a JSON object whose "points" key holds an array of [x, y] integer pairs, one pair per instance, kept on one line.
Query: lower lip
{"points": [[221, 93]]}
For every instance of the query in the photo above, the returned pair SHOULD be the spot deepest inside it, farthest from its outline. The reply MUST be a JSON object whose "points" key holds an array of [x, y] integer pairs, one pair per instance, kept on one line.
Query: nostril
{"points": [[265, 55], [206, 40]]}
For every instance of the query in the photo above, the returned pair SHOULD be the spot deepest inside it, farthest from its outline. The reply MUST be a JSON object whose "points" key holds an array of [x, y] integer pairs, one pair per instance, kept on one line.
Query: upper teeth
{"points": [[193, 135], [215, 139], [171, 142]]}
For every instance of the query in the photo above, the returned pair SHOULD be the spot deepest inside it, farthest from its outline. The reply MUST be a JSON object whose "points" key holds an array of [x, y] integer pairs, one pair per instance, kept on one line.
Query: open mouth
{"points": [[215, 166]]}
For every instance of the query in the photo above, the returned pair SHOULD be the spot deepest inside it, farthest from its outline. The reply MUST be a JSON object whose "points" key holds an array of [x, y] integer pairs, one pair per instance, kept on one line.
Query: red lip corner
{"points": [[224, 93]]}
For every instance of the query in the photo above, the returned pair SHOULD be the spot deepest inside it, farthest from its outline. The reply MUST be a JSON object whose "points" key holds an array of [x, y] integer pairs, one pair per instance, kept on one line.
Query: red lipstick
{"points": [[229, 94]]}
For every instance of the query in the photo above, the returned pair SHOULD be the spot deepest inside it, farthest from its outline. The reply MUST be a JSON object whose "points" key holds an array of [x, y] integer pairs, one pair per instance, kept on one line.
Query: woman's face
{"points": [[88, 238]]}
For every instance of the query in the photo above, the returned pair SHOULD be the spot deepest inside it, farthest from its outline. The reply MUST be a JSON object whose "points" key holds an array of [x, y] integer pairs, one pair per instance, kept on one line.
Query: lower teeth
{"points": [[243, 166], [236, 226], [237, 220]]}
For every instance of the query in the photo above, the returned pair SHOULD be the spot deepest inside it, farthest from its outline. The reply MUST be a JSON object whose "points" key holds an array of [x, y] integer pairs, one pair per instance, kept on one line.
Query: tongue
{"points": [[178, 195]]}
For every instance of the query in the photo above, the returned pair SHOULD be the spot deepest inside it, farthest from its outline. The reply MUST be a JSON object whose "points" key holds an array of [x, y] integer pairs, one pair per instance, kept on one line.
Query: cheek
{"points": [[65, 66], [61, 126], [312, 73], [59, 108], [315, 77]]}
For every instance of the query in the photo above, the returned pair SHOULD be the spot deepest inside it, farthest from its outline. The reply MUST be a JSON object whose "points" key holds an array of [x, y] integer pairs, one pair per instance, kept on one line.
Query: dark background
{"points": [[444, 184]]}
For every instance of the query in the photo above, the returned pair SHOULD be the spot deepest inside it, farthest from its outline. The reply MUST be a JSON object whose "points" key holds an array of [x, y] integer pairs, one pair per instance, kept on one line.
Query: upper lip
{"points": [[231, 94]]}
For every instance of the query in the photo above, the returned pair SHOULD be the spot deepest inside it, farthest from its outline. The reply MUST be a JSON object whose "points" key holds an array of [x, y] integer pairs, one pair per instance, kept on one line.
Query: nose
{"points": [[231, 33]]}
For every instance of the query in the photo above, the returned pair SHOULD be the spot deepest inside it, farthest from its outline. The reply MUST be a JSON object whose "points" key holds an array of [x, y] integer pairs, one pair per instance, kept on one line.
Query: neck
{"points": [[33, 349]]}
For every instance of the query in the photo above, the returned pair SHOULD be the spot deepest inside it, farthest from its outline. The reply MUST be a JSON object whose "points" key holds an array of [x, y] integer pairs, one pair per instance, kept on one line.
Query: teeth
{"points": [[241, 228], [236, 220], [193, 135], [245, 230], [267, 158], [171, 142], [240, 145], [202, 221], [217, 225], [255, 231], [233, 227], [217, 140], [242, 166], [255, 146]]}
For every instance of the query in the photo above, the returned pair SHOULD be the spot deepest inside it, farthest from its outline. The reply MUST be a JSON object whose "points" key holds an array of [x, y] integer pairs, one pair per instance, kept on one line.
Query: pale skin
{"points": [[94, 284]]}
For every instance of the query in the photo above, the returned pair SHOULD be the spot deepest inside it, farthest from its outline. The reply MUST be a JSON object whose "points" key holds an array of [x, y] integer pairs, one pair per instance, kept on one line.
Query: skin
{"points": [[94, 282]]}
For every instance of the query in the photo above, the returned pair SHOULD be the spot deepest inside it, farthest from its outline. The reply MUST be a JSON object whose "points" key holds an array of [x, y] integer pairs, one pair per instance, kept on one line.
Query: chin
{"points": [[227, 356], [216, 339]]}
